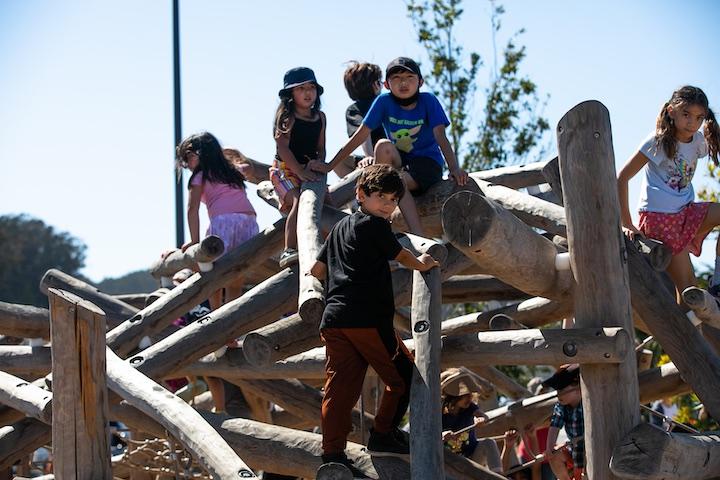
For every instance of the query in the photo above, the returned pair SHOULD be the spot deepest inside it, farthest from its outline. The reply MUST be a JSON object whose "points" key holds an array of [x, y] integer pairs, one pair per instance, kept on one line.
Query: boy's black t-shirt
{"points": [[359, 283]]}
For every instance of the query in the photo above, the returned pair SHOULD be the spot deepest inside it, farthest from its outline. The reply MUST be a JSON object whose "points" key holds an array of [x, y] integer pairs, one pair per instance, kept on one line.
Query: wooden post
{"points": [[509, 249], [426, 448], [649, 452], [115, 311], [598, 259], [208, 250], [80, 407], [311, 295]]}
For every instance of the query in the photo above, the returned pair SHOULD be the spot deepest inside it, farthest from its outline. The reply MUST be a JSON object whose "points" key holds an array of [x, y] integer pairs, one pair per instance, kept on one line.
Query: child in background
{"points": [[508, 456], [568, 413], [416, 143], [357, 324], [221, 187], [299, 133], [363, 82], [459, 411], [668, 158]]}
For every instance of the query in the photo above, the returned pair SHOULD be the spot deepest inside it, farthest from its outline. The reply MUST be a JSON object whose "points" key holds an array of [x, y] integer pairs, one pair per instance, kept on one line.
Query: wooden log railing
{"points": [[207, 251], [24, 321], [80, 408], [425, 410], [649, 452], [505, 246]]}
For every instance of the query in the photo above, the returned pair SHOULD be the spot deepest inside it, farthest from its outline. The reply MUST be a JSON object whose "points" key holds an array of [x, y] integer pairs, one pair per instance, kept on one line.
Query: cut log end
{"points": [[466, 218], [213, 246], [257, 350], [504, 322], [334, 471], [694, 297], [311, 311]]}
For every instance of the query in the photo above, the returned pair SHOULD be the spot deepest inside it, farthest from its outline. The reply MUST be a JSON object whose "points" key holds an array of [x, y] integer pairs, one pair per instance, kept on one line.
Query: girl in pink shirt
{"points": [[220, 185]]}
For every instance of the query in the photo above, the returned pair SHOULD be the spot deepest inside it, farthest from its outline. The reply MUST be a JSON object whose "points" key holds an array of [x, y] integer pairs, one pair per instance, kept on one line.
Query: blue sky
{"points": [[87, 113]]}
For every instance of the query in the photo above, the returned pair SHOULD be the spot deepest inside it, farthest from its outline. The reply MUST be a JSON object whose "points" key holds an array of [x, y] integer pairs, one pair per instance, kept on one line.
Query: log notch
{"points": [[80, 410], [311, 295], [24, 321], [540, 347], [116, 311], [180, 419], [648, 452], [426, 448], [502, 244], [207, 251], [602, 297]]}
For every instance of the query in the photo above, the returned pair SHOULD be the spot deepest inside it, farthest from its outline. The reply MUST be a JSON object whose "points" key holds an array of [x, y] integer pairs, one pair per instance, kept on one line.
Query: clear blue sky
{"points": [[87, 113]]}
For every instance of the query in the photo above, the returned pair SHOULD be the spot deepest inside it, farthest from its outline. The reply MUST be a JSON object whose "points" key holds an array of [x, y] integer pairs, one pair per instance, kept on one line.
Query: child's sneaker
{"points": [[388, 444], [342, 459], [288, 257]]}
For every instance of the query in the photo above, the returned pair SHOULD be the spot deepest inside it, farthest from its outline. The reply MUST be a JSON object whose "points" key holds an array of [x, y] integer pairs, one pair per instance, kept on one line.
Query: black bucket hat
{"points": [[403, 63], [298, 76]]}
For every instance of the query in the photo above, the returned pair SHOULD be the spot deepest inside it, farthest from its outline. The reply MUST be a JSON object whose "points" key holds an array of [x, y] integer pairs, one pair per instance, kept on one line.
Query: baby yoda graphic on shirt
{"points": [[404, 138]]}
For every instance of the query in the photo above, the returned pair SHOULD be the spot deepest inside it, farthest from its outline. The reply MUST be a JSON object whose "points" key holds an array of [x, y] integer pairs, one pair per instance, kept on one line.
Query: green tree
{"points": [[28, 248], [512, 125]]}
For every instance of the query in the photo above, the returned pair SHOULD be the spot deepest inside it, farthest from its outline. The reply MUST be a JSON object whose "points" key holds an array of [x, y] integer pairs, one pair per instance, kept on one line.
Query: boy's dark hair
{"points": [[381, 178], [360, 78]]}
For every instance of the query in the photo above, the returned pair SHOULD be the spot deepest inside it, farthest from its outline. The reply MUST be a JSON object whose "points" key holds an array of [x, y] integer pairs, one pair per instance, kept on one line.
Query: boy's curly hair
{"points": [[381, 178], [360, 78]]}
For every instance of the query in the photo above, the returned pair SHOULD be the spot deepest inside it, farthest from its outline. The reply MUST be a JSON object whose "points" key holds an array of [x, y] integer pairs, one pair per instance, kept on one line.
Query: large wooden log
{"points": [[80, 408], [509, 249], [517, 415], [24, 321], [25, 361], [20, 439], [661, 382], [649, 452], [311, 295], [514, 176], [531, 210], [207, 251], [504, 384], [703, 304], [280, 340], [540, 347], [699, 365], [478, 288], [602, 297], [425, 410], [31, 400], [179, 418], [116, 311]]}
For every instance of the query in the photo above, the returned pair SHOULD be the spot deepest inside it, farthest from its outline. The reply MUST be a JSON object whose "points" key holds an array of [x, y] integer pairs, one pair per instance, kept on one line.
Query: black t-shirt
{"points": [[359, 284], [354, 116]]}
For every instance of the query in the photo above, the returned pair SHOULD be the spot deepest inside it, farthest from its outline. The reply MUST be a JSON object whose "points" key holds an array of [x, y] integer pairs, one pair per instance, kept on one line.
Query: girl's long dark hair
{"points": [[665, 127], [285, 114], [211, 160]]}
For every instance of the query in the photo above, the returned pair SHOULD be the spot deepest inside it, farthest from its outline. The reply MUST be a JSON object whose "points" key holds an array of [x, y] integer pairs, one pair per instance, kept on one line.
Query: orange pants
{"points": [[349, 351]]}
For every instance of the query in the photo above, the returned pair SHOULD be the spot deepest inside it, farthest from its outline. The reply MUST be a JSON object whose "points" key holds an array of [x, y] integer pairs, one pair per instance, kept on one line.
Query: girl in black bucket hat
{"points": [[299, 132]]}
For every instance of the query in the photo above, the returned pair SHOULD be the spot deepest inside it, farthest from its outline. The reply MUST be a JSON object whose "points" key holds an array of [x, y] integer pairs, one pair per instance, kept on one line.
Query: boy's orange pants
{"points": [[349, 351]]}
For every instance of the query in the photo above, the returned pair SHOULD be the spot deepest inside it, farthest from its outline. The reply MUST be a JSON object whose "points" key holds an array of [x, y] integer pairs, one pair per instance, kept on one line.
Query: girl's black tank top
{"points": [[304, 139]]}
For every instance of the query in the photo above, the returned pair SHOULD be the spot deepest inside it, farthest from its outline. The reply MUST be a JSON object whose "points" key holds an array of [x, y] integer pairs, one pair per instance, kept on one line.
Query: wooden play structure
{"points": [[549, 256]]}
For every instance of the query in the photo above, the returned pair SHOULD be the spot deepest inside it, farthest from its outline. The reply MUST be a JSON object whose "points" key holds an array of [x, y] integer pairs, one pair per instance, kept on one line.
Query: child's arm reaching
{"points": [[460, 175], [628, 171], [358, 138], [423, 262], [193, 215]]}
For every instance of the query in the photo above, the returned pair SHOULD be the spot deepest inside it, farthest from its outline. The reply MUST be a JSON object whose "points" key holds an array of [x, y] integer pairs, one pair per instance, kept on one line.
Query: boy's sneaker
{"points": [[288, 257], [389, 444], [344, 460]]}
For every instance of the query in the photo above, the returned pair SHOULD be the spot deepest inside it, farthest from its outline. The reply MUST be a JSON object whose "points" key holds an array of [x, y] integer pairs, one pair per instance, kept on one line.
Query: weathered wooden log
{"points": [[649, 452], [504, 384], [343, 192], [20, 439], [661, 382], [517, 415], [116, 311], [703, 304], [266, 191], [137, 300], [551, 174], [425, 410], [494, 238], [503, 322], [531, 210], [658, 254], [699, 365], [514, 176], [80, 407], [478, 288], [207, 251], [280, 340], [602, 297], [257, 172], [25, 361], [24, 321], [179, 418], [31, 400], [540, 347], [311, 295]]}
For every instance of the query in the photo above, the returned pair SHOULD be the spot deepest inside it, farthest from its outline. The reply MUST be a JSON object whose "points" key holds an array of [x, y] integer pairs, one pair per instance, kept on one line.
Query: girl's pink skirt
{"points": [[677, 230], [233, 228]]}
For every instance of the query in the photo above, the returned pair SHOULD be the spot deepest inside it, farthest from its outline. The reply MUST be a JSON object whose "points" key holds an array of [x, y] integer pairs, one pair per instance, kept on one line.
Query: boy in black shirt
{"points": [[357, 323]]}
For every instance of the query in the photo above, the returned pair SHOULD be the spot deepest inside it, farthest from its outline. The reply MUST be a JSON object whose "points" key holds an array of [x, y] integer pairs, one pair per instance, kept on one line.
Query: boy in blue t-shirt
{"points": [[414, 123]]}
